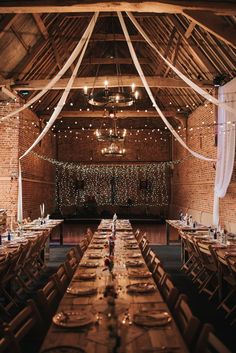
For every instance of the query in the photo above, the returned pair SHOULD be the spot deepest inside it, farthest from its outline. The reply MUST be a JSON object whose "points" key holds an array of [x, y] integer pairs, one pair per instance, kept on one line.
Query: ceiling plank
{"points": [[169, 44], [80, 82], [110, 61], [6, 23], [121, 115], [215, 25], [161, 6], [27, 62], [20, 38], [117, 37], [196, 51]]}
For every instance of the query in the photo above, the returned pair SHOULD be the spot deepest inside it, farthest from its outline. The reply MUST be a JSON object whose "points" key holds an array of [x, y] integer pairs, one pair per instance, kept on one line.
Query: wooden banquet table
{"points": [[96, 334], [181, 226], [51, 225]]}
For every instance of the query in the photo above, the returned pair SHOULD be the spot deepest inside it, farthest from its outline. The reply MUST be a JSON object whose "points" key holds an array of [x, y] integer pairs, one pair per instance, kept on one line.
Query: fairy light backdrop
{"points": [[143, 184]]}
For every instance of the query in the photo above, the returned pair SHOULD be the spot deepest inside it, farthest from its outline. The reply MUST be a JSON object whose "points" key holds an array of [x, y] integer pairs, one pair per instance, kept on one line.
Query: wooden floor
{"points": [[73, 232]]}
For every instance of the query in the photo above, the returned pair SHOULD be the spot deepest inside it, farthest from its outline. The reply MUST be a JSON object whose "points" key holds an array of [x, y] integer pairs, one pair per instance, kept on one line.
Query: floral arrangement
{"points": [[109, 263]]}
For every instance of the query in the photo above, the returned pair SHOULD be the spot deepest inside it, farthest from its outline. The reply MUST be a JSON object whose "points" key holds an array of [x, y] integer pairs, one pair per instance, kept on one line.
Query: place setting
{"points": [[85, 276], [152, 318], [81, 291], [73, 319], [139, 274], [89, 264], [141, 288], [134, 263]]}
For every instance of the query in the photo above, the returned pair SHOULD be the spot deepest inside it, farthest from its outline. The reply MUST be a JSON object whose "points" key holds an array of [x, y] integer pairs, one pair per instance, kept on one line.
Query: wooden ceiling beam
{"points": [[196, 51], [6, 23], [167, 50], [110, 61], [41, 26], [214, 25], [161, 6], [80, 82], [190, 29], [99, 114], [117, 37]]}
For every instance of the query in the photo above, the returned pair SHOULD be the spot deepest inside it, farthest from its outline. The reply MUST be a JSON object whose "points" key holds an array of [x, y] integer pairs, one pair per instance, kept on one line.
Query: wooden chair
{"points": [[209, 283], [48, 299], [188, 324], [159, 274], [27, 323], [226, 304], [169, 292], [196, 270], [150, 259], [8, 342], [208, 342], [61, 279], [73, 253]]}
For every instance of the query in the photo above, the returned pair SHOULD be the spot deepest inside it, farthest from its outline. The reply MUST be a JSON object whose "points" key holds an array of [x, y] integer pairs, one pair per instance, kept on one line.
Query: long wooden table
{"points": [[51, 225], [95, 338], [181, 226]]}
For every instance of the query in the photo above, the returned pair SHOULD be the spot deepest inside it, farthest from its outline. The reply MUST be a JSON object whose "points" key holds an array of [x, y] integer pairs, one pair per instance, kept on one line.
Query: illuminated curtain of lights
{"points": [[145, 184]]}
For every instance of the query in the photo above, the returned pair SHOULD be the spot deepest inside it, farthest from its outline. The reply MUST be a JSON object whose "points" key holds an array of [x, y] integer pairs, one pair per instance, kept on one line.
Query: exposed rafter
{"points": [[215, 25], [80, 82], [161, 6], [120, 114], [6, 23]]}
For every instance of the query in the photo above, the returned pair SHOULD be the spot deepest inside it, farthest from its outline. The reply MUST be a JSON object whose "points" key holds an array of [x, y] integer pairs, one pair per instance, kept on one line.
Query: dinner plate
{"points": [[98, 242], [134, 263], [140, 274], [132, 246], [72, 319], [152, 318], [135, 256], [89, 264], [96, 247], [94, 256], [141, 288], [13, 245], [85, 276], [81, 290]]}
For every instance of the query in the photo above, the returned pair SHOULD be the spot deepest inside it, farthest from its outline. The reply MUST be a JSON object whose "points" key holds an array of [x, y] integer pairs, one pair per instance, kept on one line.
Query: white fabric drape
{"points": [[19, 205], [54, 115], [225, 146], [144, 81], [190, 83], [66, 66]]}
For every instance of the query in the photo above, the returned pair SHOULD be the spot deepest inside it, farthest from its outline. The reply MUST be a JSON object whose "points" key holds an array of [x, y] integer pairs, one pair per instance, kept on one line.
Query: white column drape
{"points": [[144, 81], [189, 82], [55, 113], [225, 146], [66, 66], [19, 204]]}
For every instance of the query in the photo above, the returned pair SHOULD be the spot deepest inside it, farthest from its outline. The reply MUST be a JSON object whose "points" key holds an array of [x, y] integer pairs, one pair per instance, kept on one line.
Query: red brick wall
{"points": [[17, 134], [193, 179], [140, 146], [9, 132], [38, 175]]}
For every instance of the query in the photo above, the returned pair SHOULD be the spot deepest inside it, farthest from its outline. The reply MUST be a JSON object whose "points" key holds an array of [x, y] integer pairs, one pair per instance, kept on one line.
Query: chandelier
{"points": [[112, 98], [113, 150], [113, 134]]}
